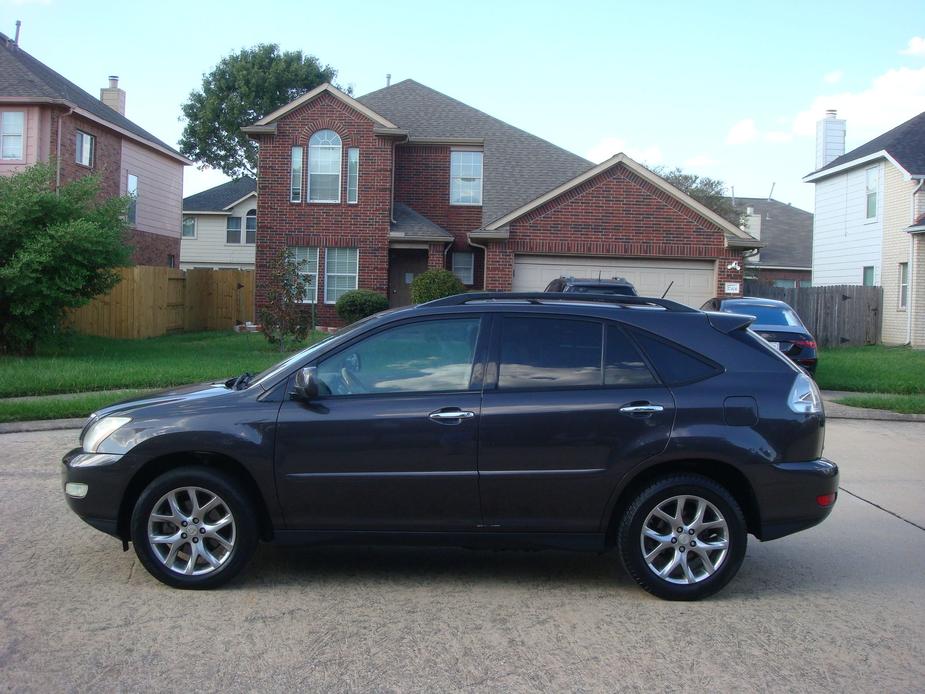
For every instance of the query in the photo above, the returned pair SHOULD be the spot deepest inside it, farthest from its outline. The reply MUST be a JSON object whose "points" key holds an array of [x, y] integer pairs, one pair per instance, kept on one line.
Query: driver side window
{"points": [[432, 355]]}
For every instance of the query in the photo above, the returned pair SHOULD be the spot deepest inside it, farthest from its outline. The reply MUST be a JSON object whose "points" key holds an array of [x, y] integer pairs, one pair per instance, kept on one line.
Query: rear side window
{"points": [[674, 364], [623, 365], [550, 353]]}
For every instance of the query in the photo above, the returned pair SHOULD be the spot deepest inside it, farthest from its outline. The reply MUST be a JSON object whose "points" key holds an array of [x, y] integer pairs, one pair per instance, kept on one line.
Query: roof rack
{"points": [[572, 297]]}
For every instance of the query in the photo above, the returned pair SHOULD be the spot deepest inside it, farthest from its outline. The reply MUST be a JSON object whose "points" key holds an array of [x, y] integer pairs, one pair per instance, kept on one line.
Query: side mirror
{"points": [[306, 384]]}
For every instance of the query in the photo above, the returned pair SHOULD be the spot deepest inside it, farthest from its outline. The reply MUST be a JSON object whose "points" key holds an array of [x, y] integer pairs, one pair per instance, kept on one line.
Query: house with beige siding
{"points": [[45, 117], [869, 223], [220, 227]]}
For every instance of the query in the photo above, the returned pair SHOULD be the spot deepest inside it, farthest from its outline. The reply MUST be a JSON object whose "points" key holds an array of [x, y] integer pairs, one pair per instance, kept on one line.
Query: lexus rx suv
{"points": [[545, 420]]}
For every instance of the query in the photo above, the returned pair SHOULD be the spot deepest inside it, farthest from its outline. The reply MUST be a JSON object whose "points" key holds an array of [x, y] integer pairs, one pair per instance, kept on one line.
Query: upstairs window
{"points": [[295, 179], [233, 230], [84, 148], [872, 187], [131, 190], [189, 228], [324, 149], [250, 227], [465, 177], [353, 174], [12, 125]]}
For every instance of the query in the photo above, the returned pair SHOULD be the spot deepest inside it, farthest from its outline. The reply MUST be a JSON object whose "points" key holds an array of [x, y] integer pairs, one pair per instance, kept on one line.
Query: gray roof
{"points": [[787, 230], [412, 225], [518, 166], [218, 198], [23, 76], [905, 143]]}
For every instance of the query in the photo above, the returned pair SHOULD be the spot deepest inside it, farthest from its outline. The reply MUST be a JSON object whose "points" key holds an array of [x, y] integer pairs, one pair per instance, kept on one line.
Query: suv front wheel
{"points": [[682, 538]]}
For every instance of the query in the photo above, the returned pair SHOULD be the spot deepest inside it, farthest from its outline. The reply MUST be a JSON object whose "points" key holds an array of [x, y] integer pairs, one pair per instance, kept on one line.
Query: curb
{"points": [[42, 425]]}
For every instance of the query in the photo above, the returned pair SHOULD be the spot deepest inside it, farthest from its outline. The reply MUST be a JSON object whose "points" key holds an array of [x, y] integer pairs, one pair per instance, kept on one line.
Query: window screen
{"points": [[550, 353]]}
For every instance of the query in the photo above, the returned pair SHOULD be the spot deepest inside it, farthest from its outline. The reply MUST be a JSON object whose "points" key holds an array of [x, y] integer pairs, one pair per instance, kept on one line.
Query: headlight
{"points": [[100, 430], [804, 395]]}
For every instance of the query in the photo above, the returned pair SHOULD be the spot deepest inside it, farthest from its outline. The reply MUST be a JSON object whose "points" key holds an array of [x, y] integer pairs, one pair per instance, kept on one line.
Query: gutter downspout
{"points": [[484, 261], [910, 291], [58, 151]]}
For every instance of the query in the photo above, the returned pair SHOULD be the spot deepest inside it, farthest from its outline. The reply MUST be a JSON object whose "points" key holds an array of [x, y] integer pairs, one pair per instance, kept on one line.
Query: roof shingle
{"points": [[905, 143], [787, 231], [218, 198]]}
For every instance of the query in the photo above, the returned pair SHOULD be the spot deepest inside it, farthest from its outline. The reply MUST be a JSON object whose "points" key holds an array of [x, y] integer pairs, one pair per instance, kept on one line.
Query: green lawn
{"points": [[79, 363], [60, 406], [907, 404], [872, 369]]}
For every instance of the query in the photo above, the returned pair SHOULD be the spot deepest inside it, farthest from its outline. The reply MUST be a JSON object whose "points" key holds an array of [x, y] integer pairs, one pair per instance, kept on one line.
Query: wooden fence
{"points": [[151, 301], [842, 315]]}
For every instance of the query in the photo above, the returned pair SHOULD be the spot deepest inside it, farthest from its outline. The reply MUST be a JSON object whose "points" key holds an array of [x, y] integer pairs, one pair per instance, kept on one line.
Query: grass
{"points": [[60, 407], [907, 404], [82, 363], [872, 369]]}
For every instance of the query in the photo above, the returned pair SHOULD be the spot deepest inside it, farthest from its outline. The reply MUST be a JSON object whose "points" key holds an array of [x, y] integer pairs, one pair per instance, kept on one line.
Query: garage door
{"points": [[693, 279]]}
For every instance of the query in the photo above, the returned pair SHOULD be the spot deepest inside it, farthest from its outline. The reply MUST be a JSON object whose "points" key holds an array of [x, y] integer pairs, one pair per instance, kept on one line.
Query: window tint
{"points": [[623, 365], [418, 357], [549, 353], [674, 364]]}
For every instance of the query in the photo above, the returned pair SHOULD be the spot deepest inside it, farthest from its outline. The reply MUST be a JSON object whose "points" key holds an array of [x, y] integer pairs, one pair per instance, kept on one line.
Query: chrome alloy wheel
{"points": [[684, 539], [191, 531]]}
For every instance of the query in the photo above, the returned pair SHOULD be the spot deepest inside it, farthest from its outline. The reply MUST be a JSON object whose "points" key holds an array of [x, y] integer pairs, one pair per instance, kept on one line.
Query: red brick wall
{"points": [[616, 214], [154, 249], [364, 225], [771, 275]]}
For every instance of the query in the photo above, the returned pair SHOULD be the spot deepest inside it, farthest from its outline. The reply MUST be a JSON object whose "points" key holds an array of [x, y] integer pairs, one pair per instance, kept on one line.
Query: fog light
{"points": [[822, 499], [77, 490]]}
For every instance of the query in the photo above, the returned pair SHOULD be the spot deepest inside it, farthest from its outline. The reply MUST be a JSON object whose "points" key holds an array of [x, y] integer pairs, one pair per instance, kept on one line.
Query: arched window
{"points": [[250, 227], [324, 167]]}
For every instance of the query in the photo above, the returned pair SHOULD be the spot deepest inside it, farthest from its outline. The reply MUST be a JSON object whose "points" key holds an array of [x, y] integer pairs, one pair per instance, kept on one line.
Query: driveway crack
{"points": [[892, 513]]}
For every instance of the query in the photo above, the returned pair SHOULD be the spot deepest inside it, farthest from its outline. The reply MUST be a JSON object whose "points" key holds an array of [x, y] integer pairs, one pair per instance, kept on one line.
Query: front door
{"points": [[574, 408], [390, 444], [404, 265]]}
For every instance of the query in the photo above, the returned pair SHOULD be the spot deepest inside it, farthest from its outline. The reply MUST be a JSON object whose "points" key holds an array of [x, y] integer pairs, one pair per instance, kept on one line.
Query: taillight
{"points": [[804, 396], [826, 499], [808, 344]]}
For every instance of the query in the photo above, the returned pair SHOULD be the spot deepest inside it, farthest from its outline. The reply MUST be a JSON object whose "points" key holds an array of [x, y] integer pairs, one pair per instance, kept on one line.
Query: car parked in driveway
{"points": [[777, 323], [480, 420], [615, 285]]}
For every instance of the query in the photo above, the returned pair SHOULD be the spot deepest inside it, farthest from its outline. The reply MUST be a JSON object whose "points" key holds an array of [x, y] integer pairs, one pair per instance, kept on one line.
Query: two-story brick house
{"points": [[46, 118], [869, 224], [374, 190]]}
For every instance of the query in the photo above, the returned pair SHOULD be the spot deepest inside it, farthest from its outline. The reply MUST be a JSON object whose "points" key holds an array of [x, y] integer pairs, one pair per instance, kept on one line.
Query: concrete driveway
{"points": [[839, 607]]}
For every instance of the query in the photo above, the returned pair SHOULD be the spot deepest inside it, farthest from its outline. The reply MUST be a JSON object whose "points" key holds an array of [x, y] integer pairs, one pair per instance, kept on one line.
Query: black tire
{"points": [[630, 542], [238, 505]]}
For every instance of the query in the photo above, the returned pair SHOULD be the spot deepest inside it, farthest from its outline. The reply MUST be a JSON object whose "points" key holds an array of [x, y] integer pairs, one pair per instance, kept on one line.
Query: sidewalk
{"points": [[836, 411]]}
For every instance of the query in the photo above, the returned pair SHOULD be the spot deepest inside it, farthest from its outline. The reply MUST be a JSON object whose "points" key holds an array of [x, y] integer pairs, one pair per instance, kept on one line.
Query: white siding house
{"points": [[219, 227]]}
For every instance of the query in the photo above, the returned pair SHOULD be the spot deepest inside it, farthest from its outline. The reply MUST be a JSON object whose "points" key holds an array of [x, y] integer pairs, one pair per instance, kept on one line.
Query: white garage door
{"points": [[693, 279]]}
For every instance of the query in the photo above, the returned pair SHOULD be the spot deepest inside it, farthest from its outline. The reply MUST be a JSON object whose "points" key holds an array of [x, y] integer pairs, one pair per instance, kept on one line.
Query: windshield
{"points": [[765, 315]]}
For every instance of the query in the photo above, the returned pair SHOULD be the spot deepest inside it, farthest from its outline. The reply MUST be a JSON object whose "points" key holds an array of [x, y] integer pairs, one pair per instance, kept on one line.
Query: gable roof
{"points": [[786, 230], [518, 166], [220, 198], [23, 78], [308, 96], [904, 145]]}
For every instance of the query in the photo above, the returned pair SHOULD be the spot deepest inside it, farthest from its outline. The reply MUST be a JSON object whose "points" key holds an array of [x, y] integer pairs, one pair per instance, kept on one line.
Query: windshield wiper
{"points": [[239, 382]]}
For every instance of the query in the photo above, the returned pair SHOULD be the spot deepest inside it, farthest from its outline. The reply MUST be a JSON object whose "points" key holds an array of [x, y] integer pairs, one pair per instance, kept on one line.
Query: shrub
{"points": [[359, 303], [435, 284], [283, 318]]}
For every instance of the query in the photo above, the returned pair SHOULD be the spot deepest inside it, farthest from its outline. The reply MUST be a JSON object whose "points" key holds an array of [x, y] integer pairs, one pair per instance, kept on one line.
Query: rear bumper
{"points": [[105, 483], [789, 496]]}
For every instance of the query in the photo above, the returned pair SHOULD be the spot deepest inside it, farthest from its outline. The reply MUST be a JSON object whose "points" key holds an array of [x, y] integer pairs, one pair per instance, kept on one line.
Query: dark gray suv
{"points": [[481, 420]]}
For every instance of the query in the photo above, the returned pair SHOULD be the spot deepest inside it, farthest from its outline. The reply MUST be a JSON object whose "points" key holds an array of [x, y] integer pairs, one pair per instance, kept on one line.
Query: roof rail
{"points": [[540, 297]]}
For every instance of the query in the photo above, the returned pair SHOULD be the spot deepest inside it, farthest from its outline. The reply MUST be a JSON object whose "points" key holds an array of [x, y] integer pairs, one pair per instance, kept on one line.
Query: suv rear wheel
{"points": [[683, 537], [193, 527]]}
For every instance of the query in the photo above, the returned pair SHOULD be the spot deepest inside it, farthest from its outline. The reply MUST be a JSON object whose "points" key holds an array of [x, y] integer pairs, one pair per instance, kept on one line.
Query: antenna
{"points": [[771, 194], [667, 289], [16, 38]]}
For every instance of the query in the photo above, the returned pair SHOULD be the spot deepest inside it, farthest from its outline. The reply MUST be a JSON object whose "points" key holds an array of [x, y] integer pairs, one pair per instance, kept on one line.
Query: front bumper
{"points": [[788, 496], [106, 483]]}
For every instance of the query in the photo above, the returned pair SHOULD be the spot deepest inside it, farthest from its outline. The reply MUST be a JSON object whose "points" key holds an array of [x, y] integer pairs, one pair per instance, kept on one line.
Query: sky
{"points": [[729, 90]]}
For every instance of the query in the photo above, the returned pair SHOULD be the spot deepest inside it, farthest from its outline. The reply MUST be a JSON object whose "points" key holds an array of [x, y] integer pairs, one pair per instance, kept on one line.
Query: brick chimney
{"points": [[830, 138], [112, 96]]}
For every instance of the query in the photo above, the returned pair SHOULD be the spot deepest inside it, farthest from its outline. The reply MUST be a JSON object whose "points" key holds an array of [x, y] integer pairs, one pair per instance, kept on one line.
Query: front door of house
{"points": [[404, 266]]}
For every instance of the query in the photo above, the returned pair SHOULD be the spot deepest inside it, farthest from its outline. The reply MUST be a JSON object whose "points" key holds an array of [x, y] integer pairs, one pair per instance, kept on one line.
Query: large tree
{"points": [[57, 251], [709, 192], [242, 89]]}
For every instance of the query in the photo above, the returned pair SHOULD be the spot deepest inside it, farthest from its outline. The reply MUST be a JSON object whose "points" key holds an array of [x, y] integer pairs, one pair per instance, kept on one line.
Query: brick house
{"points": [[374, 190], [46, 118]]}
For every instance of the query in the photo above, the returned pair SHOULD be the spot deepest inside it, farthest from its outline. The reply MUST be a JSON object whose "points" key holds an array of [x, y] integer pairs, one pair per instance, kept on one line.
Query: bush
{"points": [[435, 284], [359, 303], [283, 318]]}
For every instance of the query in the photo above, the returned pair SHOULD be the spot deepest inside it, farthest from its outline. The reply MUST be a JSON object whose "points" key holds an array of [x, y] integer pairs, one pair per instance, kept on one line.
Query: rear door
{"points": [[569, 406]]}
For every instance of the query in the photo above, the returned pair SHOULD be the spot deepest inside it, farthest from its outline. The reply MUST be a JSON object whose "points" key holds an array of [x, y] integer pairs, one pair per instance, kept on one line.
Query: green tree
{"points": [[242, 89], [435, 283], [283, 318], [709, 192], [57, 251]]}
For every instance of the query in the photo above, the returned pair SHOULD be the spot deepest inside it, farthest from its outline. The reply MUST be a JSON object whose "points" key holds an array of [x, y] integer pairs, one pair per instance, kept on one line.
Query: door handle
{"points": [[451, 416], [641, 409]]}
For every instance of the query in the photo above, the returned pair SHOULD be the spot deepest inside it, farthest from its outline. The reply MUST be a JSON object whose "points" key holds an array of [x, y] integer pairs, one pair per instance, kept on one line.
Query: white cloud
{"points": [[607, 147], [742, 132], [916, 46], [700, 161], [833, 77]]}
